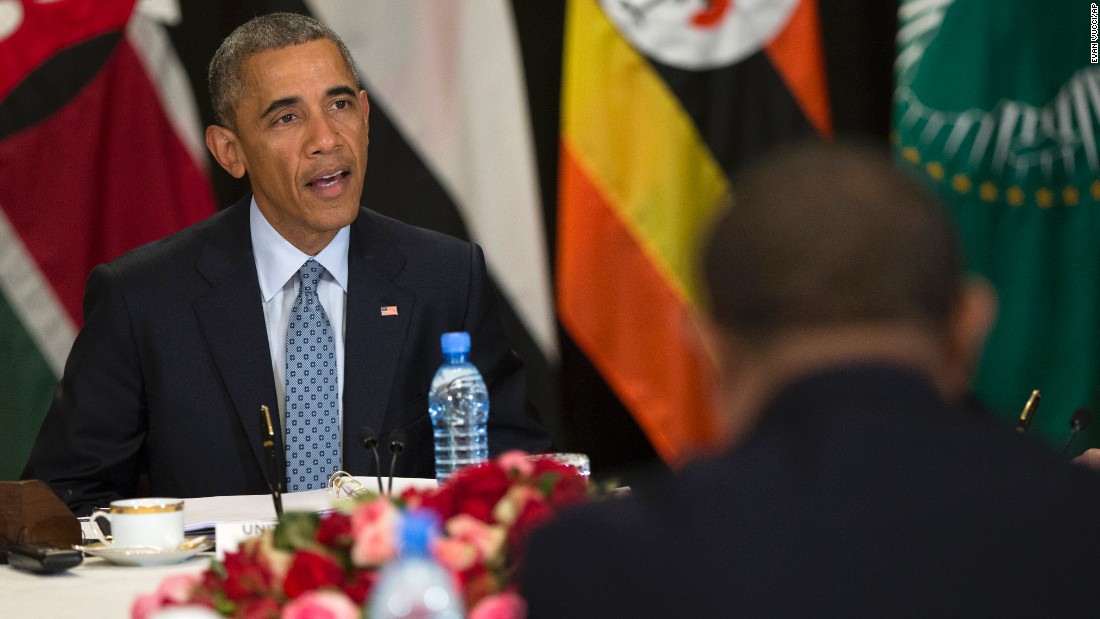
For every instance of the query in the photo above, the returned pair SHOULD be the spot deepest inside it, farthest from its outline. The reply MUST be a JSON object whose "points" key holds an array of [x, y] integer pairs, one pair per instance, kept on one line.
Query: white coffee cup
{"points": [[156, 523]]}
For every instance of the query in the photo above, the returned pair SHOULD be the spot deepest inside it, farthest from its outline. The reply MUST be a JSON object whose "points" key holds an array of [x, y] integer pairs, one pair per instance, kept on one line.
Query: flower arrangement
{"points": [[314, 565]]}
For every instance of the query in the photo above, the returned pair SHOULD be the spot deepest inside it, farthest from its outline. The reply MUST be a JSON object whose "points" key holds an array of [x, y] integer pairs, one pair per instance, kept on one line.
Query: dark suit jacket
{"points": [[170, 370], [860, 494]]}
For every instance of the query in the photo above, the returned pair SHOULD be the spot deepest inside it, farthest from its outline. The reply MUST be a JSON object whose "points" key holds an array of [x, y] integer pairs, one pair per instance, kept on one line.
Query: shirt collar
{"points": [[277, 260]]}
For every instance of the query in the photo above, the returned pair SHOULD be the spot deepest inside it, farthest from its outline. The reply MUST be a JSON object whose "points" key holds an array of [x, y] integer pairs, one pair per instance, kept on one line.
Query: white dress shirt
{"points": [[277, 265]]}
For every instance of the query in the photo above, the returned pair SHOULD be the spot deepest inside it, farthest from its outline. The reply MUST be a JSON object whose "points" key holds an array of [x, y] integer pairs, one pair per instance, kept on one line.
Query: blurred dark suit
{"points": [[861, 493]]}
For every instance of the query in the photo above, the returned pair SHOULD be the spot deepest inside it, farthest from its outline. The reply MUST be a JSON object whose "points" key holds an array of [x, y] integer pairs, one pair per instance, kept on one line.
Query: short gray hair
{"points": [[266, 32]]}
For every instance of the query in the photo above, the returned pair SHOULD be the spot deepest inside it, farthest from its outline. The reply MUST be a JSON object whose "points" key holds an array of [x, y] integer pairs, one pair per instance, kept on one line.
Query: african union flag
{"points": [[997, 106]]}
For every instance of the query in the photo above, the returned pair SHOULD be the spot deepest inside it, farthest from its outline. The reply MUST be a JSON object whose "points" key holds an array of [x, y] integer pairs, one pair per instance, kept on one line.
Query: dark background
{"points": [[580, 410]]}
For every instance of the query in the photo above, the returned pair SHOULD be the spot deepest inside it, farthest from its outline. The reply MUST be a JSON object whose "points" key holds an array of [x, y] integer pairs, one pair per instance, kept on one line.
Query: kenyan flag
{"points": [[99, 153]]}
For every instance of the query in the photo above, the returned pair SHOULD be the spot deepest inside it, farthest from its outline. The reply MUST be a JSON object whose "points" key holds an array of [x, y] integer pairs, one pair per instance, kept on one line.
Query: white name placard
{"points": [[229, 535]]}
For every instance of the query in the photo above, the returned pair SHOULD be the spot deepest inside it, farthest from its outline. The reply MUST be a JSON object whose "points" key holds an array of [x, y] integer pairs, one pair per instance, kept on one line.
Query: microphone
{"points": [[275, 473], [1080, 420], [1029, 411], [397, 445], [367, 439]]}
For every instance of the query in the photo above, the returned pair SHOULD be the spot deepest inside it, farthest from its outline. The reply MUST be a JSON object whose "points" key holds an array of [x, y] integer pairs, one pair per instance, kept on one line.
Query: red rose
{"points": [[569, 489], [478, 584], [477, 490], [533, 514], [245, 576], [359, 584], [260, 608], [480, 509], [441, 501], [489, 513], [413, 498], [550, 465], [310, 570], [334, 530]]}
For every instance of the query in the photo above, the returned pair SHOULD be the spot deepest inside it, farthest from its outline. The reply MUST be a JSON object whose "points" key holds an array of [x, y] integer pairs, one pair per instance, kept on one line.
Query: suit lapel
{"points": [[372, 341], [232, 320]]}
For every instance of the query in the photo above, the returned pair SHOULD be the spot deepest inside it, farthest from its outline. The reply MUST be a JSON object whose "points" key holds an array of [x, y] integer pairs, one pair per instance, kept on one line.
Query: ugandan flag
{"points": [[99, 153], [661, 101]]}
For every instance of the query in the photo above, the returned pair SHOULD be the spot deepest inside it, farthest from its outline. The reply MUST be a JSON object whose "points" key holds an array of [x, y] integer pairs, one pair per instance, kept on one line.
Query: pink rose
{"points": [[512, 504], [487, 539], [321, 604], [373, 527], [518, 461], [500, 606], [178, 587], [174, 590], [455, 554]]}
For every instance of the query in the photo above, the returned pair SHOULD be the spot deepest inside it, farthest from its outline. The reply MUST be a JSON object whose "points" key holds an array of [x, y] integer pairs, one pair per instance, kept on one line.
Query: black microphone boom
{"points": [[367, 439], [1080, 420], [397, 445]]}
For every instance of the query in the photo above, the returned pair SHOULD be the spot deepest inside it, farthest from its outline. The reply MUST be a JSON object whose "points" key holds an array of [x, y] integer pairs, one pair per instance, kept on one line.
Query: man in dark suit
{"points": [[854, 484], [186, 338]]}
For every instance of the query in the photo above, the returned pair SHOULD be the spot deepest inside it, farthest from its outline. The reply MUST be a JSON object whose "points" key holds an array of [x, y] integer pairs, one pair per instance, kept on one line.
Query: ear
{"points": [[226, 148], [719, 345], [971, 323], [738, 377], [366, 108]]}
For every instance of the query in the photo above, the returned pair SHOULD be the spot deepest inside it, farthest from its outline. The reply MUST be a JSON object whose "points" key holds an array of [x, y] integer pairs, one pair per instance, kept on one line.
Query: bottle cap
{"points": [[418, 527], [455, 342]]}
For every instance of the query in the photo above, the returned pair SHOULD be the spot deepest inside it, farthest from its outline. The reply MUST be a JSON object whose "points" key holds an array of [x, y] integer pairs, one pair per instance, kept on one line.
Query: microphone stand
{"points": [[1080, 420], [366, 437], [397, 445]]}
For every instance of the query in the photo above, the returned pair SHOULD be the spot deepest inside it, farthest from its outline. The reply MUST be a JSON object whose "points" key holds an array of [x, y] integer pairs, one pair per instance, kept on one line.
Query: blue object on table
{"points": [[415, 584]]}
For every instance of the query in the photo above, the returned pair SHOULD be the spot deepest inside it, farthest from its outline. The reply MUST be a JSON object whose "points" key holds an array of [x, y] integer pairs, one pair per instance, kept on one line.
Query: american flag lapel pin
{"points": [[389, 310]]}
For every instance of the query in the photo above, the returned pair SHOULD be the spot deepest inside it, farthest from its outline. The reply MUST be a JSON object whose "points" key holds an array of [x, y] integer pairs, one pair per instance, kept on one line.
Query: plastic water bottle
{"points": [[459, 406], [414, 585]]}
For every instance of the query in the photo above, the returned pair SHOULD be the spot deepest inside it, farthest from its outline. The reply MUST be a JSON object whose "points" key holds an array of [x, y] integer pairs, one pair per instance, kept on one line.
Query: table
{"points": [[95, 588]]}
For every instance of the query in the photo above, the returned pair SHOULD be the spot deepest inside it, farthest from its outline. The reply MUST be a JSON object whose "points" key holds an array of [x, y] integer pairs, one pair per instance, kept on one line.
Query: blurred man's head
{"points": [[829, 254]]}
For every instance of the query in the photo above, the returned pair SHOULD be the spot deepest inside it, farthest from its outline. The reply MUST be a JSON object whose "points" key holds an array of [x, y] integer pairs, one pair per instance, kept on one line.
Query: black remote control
{"points": [[43, 558]]}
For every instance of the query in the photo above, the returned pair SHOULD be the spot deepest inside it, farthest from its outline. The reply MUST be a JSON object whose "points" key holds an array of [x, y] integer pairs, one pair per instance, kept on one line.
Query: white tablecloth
{"points": [[95, 588]]}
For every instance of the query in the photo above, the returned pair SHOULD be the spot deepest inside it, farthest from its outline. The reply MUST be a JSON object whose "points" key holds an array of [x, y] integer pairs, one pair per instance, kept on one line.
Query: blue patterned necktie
{"points": [[312, 403]]}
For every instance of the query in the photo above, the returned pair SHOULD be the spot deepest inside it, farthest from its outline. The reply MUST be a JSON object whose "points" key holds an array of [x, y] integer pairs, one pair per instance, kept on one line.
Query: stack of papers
{"points": [[201, 514]]}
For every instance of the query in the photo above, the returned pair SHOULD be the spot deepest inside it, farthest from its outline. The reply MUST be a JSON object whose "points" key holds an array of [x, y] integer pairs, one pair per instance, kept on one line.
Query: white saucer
{"points": [[146, 556]]}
